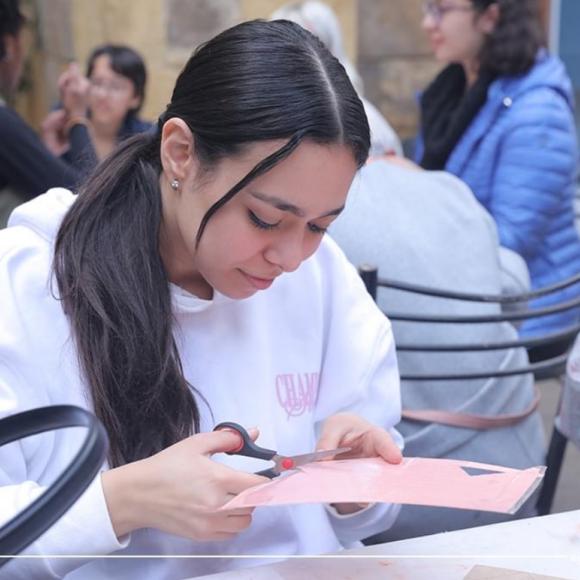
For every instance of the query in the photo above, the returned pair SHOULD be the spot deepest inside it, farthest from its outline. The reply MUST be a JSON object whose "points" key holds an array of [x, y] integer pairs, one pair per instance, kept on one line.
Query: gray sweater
{"points": [[427, 228]]}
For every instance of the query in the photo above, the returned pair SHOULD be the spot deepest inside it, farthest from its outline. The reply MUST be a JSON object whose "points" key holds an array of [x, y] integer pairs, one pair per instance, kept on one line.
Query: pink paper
{"points": [[417, 480]]}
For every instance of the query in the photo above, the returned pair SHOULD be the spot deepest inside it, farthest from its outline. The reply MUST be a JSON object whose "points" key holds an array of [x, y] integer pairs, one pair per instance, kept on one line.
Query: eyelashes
{"points": [[316, 229], [262, 225]]}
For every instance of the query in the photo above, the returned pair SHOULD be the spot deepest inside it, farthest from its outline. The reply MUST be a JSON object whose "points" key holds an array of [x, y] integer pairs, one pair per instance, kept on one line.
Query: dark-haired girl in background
{"points": [[117, 77], [500, 117], [193, 284], [115, 92]]}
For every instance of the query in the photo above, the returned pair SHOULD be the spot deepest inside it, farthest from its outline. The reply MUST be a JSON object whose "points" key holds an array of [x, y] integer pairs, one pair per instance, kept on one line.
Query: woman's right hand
{"points": [[74, 91], [180, 490]]}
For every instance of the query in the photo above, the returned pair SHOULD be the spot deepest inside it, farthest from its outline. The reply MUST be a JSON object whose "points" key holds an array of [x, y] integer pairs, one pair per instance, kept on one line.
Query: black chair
{"points": [[41, 514], [551, 367]]}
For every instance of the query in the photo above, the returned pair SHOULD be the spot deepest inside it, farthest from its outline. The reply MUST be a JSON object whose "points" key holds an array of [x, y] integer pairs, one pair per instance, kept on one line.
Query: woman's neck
{"points": [[471, 69], [104, 139], [176, 259]]}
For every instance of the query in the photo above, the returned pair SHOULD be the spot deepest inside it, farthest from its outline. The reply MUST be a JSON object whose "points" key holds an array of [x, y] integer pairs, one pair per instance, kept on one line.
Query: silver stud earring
{"points": [[174, 184]]}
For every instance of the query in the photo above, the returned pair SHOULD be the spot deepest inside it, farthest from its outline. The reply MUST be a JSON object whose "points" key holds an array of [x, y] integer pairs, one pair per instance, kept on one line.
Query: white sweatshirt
{"points": [[283, 360]]}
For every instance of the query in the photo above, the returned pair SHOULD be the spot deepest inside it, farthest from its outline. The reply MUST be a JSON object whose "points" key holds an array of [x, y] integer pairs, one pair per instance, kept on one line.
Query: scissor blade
{"points": [[317, 455]]}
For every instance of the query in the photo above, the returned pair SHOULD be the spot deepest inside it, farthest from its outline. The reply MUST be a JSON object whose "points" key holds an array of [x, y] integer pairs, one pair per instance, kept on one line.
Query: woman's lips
{"points": [[435, 43], [258, 283]]}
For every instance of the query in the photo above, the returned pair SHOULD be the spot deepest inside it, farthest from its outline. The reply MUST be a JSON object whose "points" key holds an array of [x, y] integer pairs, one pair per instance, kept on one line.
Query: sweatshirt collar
{"points": [[185, 302]]}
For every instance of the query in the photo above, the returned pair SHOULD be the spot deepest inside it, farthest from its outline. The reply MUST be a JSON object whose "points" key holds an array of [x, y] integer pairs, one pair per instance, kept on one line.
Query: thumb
{"points": [[387, 448], [220, 441]]}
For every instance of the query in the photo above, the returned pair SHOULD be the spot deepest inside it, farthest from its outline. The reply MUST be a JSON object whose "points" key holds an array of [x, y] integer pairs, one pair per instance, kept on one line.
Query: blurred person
{"points": [[117, 78], [27, 167], [427, 228], [500, 117], [320, 19]]}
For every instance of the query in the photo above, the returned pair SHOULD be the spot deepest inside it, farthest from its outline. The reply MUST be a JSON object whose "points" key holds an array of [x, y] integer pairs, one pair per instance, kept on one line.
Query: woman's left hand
{"points": [[364, 439]]}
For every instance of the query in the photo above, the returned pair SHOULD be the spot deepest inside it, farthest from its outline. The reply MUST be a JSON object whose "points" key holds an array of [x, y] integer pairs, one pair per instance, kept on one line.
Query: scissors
{"points": [[282, 463]]}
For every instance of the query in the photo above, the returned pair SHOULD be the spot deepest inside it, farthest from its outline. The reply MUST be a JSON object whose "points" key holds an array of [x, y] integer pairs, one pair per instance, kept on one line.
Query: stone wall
{"points": [[382, 36], [163, 31], [394, 59]]}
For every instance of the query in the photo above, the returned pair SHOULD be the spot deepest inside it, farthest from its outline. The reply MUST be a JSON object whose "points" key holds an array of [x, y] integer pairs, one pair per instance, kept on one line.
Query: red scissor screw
{"points": [[287, 463]]}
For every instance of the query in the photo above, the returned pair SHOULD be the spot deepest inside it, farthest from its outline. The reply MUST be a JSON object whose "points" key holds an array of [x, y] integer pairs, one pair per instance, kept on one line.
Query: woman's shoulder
{"points": [[547, 82], [26, 244]]}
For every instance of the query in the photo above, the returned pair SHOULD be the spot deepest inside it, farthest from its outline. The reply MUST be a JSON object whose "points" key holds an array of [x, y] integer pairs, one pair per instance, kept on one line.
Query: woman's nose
{"points": [[428, 22], [287, 253]]}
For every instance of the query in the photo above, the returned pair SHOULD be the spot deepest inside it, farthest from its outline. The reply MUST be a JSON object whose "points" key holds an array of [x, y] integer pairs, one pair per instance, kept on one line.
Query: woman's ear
{"points": [[177, 150], [489, 18]]}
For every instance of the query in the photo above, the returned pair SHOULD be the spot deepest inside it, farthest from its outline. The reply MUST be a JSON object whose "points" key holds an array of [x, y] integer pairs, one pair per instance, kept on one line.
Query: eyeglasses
{"points": [[110, 88], [437, 11]]}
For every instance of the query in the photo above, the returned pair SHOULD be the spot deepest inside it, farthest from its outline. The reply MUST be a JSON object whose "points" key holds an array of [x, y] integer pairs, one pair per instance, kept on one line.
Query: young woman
{"points": [[191, 283], [500, 117], [117, 78], [113, 94]]}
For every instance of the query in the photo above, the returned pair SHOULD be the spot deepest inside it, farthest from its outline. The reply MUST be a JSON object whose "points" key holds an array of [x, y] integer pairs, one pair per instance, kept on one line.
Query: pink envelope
{"points": [[417, 480]]}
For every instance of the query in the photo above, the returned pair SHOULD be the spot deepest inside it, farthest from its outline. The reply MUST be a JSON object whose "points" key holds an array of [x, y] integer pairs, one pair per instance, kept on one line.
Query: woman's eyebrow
{"points": [[283, 205]]}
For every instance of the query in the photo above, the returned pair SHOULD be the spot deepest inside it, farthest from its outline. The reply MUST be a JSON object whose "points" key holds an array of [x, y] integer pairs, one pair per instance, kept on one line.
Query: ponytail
{"points": [[115, 292]]}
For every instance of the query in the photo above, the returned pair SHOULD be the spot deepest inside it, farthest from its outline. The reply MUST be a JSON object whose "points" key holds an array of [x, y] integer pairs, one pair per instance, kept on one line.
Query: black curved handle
{"points": [[36, 518], [247, 447]]}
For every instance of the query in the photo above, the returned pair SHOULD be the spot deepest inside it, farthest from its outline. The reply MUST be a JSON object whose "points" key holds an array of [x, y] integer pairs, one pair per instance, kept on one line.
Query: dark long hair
{"points": [[257, 81], [512, 47], [126, 62]]}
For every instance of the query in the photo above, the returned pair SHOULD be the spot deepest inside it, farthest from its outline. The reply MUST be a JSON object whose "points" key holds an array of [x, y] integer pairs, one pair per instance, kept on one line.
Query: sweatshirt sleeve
{"points": [[359, 375], [84, 531], [33, 333]]}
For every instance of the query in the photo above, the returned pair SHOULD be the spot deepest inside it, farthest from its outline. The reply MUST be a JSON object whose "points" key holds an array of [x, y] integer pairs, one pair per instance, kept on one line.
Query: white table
{"points": [[547, 545]]}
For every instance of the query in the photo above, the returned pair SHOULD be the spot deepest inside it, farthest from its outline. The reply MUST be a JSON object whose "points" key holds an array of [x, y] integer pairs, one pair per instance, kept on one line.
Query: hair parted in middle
{"points": [[254, 82]]}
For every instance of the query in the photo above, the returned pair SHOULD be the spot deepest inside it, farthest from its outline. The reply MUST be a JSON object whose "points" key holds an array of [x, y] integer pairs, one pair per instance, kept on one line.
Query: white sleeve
{"points": [[359, 371], [352, 528], [28, 343], [360, 375], [381, 380], [85, 530]]}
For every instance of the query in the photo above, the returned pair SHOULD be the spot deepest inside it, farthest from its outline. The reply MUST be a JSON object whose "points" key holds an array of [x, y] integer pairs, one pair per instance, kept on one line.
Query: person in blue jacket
{"points": [[500, 117]]}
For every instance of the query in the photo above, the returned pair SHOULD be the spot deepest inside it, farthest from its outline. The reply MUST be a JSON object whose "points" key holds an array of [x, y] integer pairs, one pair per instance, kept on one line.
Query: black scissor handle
{"points": [[248, 448]]}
